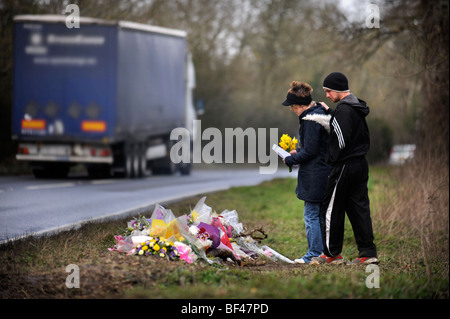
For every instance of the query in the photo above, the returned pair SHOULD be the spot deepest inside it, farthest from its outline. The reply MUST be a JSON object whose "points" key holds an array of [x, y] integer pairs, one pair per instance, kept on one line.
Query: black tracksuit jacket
{"points": [[349, 135]]}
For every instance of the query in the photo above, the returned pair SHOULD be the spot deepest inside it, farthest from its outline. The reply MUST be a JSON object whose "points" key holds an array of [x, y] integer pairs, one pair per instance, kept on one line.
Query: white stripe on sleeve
{"points": [[338, 131]]}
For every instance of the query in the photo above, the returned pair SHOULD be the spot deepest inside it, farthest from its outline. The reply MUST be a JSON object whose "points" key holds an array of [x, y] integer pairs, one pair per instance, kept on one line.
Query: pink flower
{"points": [[119, 238], [185, 252]]}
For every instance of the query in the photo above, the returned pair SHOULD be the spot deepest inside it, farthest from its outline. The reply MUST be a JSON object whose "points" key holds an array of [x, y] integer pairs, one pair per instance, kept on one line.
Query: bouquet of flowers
{"points": [[203, 234], [288, 144], [158, 246]]}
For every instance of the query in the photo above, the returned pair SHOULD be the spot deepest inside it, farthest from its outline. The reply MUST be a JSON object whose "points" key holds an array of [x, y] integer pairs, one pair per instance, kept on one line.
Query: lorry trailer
{"points": [[105, 95]]}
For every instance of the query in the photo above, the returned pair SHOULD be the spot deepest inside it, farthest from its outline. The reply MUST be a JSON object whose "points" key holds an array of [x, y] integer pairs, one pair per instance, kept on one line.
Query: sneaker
{"points": [[300, 261], [323, 259], [363, 261]]}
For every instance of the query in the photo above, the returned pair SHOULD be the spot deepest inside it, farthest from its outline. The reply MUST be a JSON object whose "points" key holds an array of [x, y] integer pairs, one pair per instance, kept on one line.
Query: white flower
{"points": [[205, 244], [193, 230], [249, 239]]}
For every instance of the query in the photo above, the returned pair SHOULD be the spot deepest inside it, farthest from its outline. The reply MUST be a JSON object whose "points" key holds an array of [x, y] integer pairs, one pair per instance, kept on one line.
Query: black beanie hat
{"points": [[336, 81]]}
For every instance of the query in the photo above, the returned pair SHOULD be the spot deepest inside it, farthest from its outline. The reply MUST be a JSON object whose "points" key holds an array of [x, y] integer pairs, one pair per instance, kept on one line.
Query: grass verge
{"points": [[36, 267]]}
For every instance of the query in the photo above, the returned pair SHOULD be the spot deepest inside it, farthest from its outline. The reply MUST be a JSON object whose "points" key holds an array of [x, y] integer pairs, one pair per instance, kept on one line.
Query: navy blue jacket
{"points": [[311, 157]]}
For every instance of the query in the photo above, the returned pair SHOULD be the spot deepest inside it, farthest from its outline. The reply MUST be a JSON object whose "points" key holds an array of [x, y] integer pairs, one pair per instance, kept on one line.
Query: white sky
{"points": [[355, 9]]}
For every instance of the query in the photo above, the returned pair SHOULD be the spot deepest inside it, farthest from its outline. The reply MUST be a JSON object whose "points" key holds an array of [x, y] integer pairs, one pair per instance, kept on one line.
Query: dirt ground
{"points": [[110, 275]]}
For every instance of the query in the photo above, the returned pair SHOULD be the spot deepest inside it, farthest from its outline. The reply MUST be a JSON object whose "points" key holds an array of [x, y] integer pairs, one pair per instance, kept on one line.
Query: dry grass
{"points": [[418, 208]]}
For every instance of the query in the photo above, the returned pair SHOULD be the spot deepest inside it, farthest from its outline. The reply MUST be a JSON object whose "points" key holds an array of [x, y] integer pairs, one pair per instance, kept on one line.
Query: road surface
{"points": [[30, 206]]}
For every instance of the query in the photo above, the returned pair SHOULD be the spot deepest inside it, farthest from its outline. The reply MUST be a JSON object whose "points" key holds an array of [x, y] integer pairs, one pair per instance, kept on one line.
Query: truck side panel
{"points": [[151, 83], [64, 82]]}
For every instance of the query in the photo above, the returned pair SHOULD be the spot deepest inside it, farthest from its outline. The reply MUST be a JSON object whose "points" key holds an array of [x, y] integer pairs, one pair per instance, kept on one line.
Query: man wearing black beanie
{"points": [[336, 81], [346, 190]]}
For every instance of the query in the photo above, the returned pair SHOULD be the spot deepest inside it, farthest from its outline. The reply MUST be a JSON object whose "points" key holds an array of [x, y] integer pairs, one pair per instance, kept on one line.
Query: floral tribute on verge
{"points": [[201, 235]]}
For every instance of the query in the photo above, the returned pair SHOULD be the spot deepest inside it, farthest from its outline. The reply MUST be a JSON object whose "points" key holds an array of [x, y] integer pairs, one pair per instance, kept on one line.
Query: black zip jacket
{"points": [[349, 134]]}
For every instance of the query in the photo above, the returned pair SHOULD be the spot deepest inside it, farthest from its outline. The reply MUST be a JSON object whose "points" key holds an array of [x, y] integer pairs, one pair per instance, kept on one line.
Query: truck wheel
{"points": [[128, 161], [139, 160], [142, 154], [185, 168], [164, 165], [123, 161], [137, 172]]}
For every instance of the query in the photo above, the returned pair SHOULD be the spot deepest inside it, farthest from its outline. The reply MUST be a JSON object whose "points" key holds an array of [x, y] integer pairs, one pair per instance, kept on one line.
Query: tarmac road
{"points": [[30, 206]]}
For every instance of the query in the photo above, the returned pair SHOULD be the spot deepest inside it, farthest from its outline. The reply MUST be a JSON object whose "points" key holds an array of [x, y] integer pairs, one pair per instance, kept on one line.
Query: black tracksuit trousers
{"points": [[347, 192]]}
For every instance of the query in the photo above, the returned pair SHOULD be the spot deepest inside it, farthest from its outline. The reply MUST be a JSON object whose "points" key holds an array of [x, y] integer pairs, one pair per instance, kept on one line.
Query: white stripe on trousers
{"points": [[328, 213]]}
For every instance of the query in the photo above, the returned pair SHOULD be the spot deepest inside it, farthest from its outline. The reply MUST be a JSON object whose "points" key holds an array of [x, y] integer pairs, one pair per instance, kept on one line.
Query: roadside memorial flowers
{"points": [[201, 235], [157, 246]]}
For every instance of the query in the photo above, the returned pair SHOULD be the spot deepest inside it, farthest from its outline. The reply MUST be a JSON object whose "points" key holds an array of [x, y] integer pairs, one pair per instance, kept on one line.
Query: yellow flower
{"points": [[286, 142], [156, 247], [285, 138], [293, 144], [284, 145], [145, 247]]}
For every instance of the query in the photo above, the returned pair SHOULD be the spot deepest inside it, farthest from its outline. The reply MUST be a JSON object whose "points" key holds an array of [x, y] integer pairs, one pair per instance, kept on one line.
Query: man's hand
{"points": [[325, 106]]}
